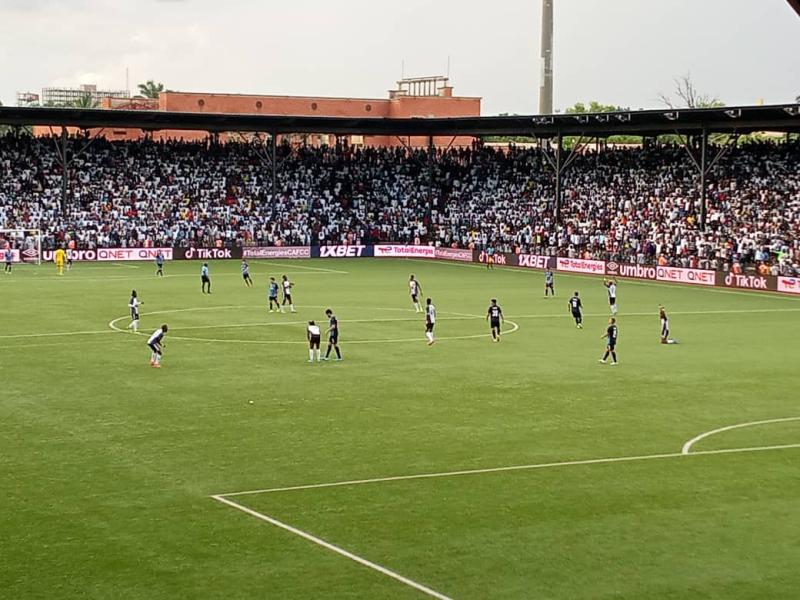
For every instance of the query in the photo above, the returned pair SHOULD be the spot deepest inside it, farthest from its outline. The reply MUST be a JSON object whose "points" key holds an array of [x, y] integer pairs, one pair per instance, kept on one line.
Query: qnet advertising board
{"points": [[393, 251], [690, 276], [114, 254]]}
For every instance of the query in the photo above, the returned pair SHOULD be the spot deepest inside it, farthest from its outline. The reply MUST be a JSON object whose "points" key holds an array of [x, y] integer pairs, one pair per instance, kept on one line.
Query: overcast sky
{"points": [[617, 51]]}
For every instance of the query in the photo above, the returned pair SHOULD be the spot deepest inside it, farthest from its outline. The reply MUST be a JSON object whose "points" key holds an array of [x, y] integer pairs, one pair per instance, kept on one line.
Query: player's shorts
{"points": [[134, 315], [611, 343], [273, 299], [414, 298], [495, 323], [314, 341], [155, 347], [490, 259], [664, 332], [245, 275], [549, 285], [576, 314], [333, 338], [8, 263], [612, 300], [429, 326], [287, 298], [205, 279]]}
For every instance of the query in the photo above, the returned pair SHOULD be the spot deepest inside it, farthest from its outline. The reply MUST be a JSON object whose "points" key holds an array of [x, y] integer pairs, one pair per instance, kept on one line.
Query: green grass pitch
{"points": [[109, 465]]}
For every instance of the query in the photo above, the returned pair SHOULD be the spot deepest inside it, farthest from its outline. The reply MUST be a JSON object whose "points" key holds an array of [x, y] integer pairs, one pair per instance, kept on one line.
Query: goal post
{"points": [[25, 245]]}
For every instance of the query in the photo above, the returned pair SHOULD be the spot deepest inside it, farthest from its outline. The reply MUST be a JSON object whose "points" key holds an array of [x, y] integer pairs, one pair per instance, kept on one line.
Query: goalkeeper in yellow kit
{"points": [[60, 257]]}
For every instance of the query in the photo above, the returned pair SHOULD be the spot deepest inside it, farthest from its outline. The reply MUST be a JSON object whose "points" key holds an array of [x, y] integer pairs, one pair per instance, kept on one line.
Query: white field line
{"points": [[688, 445], [333, 548], [78, 279], [570, 463], [114, 328], [672, 312], [625, 280], [283, 265]]}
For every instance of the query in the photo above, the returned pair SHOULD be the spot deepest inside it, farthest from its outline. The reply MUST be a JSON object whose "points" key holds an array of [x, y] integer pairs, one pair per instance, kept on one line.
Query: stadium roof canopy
{"points": [[741, 119]]}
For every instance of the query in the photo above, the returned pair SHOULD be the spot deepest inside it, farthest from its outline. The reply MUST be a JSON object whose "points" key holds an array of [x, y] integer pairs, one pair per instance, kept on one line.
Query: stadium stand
{"points": [[631, 204]]}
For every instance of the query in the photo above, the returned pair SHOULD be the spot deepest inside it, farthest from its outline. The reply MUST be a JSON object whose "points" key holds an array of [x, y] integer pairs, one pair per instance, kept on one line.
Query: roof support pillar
{"points": [[703, 172]]}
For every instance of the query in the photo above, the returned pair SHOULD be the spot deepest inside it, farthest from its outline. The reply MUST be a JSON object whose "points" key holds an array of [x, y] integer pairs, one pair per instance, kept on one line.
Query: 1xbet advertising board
{"points": [[343, 251]]}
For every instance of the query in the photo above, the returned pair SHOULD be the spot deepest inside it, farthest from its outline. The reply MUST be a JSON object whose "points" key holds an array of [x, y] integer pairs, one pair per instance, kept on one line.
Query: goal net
{"points": [[25, 245]]}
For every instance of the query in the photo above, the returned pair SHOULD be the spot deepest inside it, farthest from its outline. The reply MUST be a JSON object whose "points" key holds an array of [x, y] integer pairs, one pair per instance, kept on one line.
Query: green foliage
{"points": [[151, 89], [593, 107]]}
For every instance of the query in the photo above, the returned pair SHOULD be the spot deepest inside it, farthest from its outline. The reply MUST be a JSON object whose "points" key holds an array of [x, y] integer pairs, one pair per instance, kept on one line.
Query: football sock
{"points": [[338, 354]]}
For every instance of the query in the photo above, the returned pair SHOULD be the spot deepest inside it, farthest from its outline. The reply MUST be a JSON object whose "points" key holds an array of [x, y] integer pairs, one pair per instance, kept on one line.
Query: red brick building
{"points": [[420, 97]]}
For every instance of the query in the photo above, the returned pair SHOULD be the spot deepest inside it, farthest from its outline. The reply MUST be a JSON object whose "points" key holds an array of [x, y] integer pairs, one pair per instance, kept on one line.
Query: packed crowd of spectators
{"points": [[633, 204]]}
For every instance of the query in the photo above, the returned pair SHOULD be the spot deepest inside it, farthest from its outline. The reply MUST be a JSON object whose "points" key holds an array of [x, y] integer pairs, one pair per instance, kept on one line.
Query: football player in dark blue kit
{"points": [[576, 308], [611, 335], [273, 294], [333, 335], [495, 317]]}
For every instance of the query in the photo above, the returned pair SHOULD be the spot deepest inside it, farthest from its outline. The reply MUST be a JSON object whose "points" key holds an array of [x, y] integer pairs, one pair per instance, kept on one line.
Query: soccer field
{"points": [[547, 474]]}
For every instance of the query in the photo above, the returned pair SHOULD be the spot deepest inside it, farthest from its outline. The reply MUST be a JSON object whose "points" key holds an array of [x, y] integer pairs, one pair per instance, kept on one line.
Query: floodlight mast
{"points": [[546, 76]]}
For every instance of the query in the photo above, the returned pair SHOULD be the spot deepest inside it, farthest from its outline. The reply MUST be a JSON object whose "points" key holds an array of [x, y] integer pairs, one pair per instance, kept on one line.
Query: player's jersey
{"points": [[8, 256], [612, 290], [159, 259], [204, 271], [287, 288], [413, 287], [430, 313], [69, 253], [575, 304], [59, 255], [273, 289], [333, 324], [133, 304], [313, 331], [495, 312], [664, 321], [157, 336], [548, 277], [245, 269], [611, 334]]}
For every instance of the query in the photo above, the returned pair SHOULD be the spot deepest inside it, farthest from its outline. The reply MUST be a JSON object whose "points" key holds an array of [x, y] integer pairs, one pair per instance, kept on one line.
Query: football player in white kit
{"points": [[415, 289], [287, 293], [314, 336], [134, 305], [611, 287], [156, 344], [430, 321], [662, 315]]}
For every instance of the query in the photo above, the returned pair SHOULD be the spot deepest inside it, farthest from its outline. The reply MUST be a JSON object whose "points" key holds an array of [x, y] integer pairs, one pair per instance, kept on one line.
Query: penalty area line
{"points": [[333, 548], [531, 467]]}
